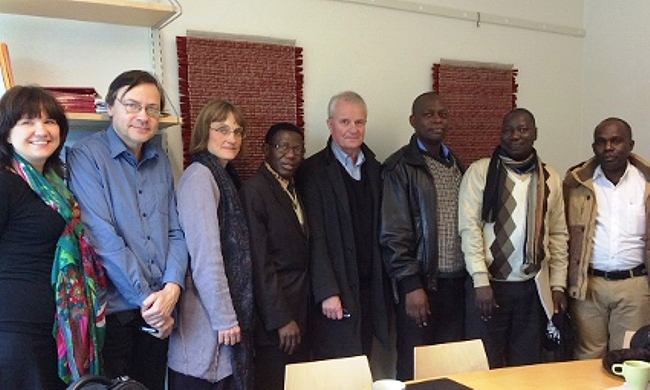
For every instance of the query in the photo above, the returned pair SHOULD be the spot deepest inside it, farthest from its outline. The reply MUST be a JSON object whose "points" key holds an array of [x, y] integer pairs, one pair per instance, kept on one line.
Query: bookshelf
{"points": [[119, 12], [123, 12], [95, 122]]}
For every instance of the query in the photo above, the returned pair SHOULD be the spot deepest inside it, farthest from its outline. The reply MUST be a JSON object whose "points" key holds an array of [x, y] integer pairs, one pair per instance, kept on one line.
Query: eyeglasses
{"points": [[284, 149], [226, 131], [132, 107]]}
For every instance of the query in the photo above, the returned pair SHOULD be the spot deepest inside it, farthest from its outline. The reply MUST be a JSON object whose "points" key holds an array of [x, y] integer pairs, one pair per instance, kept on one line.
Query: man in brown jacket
{"points": [[607, 203]]}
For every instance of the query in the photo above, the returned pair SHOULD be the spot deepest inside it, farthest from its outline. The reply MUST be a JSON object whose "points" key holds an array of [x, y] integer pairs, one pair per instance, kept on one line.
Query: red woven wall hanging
{"points": [[477, 96], [264, 80]]}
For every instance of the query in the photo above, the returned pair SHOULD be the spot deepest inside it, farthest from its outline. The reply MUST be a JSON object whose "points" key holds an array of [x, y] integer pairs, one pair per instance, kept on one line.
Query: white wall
{"points": [[617, 60], [385, 55], [54, 52]]}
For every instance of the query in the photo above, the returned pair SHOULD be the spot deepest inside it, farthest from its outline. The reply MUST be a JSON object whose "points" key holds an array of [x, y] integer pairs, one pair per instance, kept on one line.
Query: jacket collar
{"points": [[582, 173], [280, 195], [336, 177], [413, 155]]}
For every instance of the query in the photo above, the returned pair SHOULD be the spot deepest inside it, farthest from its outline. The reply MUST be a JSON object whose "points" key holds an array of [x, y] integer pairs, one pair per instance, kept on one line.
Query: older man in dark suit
{"points": [[280, 254], [341, 186]]}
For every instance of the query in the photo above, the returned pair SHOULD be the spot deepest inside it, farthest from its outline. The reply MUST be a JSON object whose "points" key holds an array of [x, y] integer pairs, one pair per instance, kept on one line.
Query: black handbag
{"points": [[97, 382], [558, 345]]}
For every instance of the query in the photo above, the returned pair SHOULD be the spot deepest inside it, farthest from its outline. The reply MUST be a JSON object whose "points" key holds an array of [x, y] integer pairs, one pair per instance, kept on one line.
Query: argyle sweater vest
{"points": [[506, 241]]}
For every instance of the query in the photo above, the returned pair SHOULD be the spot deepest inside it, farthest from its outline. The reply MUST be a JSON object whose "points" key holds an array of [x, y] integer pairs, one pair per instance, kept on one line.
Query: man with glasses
{"points": [[341, 186], [280, 254], [124, 185]]}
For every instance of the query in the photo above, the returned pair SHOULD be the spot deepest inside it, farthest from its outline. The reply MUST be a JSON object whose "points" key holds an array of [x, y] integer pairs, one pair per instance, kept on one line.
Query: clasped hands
{"points": [[157, 309]]}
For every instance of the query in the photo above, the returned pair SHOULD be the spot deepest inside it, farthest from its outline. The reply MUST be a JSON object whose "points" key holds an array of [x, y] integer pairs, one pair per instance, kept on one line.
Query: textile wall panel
{"points": [[264, 80], [477, 98]]}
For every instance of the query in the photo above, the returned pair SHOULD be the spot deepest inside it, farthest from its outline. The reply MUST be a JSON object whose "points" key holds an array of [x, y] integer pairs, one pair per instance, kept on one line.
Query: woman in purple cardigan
{"points": [[211, 346]]}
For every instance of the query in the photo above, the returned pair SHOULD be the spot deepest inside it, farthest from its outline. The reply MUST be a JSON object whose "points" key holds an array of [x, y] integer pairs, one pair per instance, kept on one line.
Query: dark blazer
{"points": [[280, 253], [333, 264]]}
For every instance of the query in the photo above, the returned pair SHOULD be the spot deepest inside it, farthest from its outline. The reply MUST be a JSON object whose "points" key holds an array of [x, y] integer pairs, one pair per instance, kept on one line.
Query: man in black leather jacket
{"points": [[419, 234]]}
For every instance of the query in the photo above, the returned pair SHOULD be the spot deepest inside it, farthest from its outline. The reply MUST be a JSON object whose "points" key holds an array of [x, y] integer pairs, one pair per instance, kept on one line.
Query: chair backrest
{"points": [[449, 358], [351, 373], [627, 337]]}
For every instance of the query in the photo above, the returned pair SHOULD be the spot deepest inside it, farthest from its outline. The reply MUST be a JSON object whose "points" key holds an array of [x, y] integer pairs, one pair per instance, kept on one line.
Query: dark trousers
{"points": [[130, 351], [270, 362], [513, 335], [367, 327], [178, 381], [446, 323], [28, 361]]}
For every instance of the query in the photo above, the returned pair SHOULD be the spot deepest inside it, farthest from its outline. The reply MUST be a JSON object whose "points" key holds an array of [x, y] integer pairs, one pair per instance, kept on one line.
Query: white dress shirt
{"points": [[620, 224]]}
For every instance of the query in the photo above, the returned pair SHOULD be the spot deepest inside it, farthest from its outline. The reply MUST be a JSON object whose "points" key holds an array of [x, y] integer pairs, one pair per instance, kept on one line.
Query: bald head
{"points": [[624, 126], [422, 99], [612, 146], [516, 112]]}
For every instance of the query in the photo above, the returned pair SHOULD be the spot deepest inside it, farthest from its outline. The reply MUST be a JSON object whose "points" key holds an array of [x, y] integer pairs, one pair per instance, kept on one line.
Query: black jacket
{"points": [[280, 254], [409, 226], [333, 264]]}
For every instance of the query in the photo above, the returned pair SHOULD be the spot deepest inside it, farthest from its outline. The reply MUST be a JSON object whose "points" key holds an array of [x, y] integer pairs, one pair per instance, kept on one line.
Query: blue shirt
{"points": [[444, 150], [128, 209], [352, 168]]}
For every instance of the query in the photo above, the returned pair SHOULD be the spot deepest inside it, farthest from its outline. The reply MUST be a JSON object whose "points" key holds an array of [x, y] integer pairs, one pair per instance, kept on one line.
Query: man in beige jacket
{"points": [[608, 201], [514, 238]]}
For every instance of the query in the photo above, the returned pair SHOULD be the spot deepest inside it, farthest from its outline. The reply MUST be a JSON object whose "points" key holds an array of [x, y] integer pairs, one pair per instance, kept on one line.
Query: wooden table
{"points": [[573, 375]]}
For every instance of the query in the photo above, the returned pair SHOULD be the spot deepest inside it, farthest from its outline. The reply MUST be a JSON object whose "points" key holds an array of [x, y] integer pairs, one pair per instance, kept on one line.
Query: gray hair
{"points": [[348, 96]]}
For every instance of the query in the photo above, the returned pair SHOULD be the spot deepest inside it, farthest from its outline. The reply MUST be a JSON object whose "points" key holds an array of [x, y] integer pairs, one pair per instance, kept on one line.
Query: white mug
{"points": [[636, 373], [388, 384]]}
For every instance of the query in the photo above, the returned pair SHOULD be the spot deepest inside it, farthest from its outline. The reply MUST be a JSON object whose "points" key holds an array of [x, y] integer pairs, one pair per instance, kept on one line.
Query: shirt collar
{"points": [[283, 182], [599, 174], [344, 158], [444, 150], [116, 146]]}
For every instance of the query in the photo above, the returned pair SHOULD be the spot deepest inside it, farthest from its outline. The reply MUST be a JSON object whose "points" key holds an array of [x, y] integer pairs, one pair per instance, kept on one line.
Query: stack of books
{"points": [[75, 99]]}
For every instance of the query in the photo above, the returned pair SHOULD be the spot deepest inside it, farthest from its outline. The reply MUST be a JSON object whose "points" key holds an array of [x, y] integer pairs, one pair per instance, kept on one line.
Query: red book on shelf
{"points": [[75, 99], [79, 91]]}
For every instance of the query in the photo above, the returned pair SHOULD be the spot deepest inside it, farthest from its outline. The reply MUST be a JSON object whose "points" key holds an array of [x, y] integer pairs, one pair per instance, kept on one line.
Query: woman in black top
{"points": [[36, 212]]}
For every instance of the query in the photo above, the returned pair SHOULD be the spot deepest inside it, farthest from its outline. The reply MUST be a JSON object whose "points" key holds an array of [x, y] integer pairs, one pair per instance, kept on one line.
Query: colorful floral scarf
{"points": [[77, 279]]}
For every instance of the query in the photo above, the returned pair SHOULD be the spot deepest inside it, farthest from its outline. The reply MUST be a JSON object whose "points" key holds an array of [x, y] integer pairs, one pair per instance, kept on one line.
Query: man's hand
{"points": [[417, 306], [157, 307], [332, 308], [559, 301], [229, 336], [165, 329], [289, 337], [485, 302]]}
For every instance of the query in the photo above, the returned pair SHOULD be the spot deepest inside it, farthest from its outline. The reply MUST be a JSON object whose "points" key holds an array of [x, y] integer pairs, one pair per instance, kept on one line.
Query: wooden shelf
{"points": [[95, 122], [124, 12]]}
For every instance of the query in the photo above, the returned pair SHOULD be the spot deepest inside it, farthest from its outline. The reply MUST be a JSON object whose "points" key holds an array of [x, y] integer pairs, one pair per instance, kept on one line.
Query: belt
{"points": [[639, 270]]}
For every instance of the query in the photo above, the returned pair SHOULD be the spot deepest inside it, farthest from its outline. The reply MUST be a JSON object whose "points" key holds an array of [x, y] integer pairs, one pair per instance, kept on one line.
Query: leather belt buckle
{"points": [[613, 275], [619, 275]]}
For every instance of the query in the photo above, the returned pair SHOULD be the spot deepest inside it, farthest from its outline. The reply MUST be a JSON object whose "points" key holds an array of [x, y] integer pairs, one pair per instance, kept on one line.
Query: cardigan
{"points": [[553, 272], [205, 306]]}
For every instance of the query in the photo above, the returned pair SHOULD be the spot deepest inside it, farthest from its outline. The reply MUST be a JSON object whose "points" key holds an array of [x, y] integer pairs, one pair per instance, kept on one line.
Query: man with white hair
{"points": [[341, 186]]}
